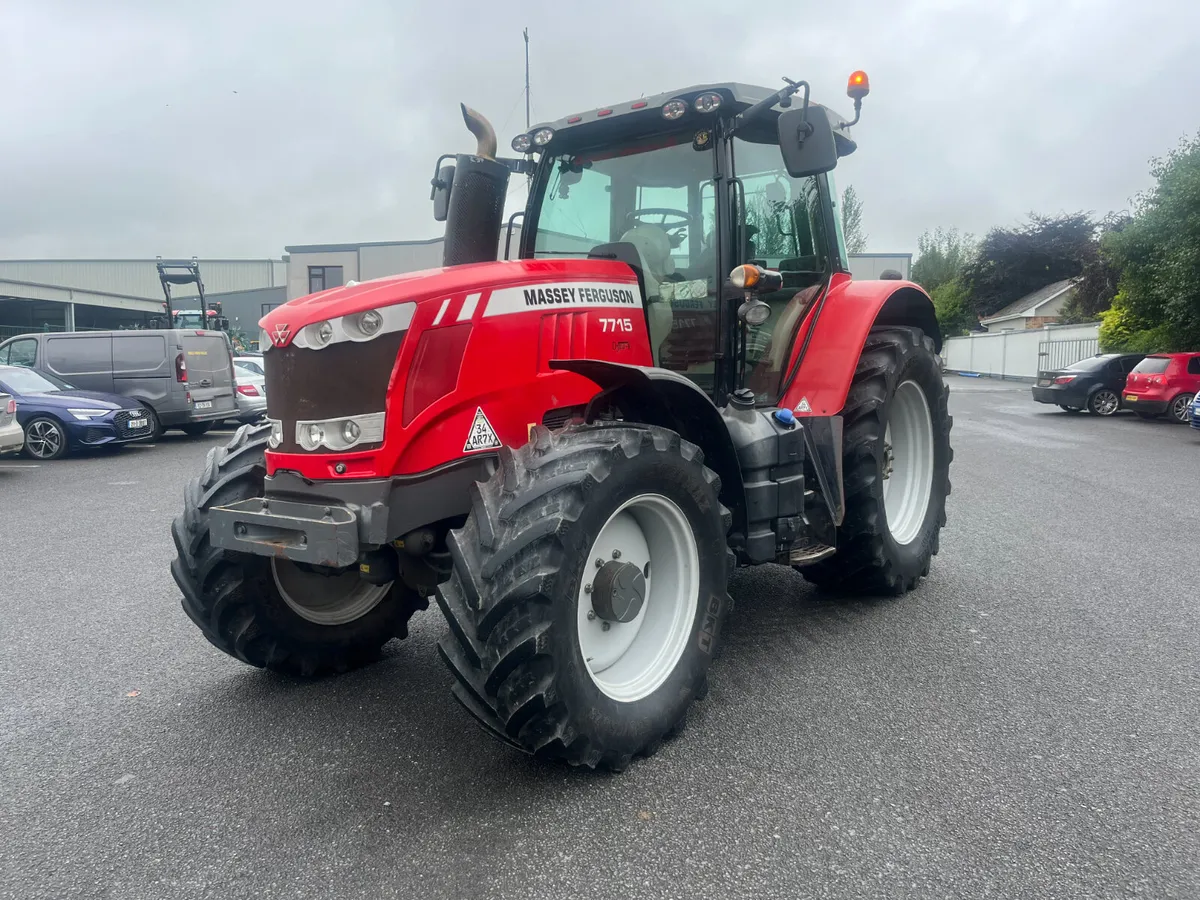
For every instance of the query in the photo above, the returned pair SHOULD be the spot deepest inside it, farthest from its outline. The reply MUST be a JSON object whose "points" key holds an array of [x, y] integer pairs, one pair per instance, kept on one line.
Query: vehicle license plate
{"points": [[138, 423], [1130, 398], [1045, 382], [203, 404]]}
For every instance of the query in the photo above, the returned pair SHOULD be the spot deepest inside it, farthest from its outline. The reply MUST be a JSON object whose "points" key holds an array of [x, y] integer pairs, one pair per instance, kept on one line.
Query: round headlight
{"points": [[350, 432], [322, 333], [370, 322], [707, 103], [543, 136], [276, 436], [674, 109], [522, 143], [757, 313], [315, 434]]}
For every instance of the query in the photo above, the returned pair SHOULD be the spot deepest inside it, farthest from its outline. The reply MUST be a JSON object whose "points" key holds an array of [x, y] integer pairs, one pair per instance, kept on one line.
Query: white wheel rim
{"points": [[908, 462], [631, 660], [326, 600]]}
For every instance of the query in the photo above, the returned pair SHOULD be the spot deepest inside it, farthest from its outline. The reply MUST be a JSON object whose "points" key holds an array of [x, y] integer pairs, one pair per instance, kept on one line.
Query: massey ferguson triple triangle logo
{"points": [[280, 334]]}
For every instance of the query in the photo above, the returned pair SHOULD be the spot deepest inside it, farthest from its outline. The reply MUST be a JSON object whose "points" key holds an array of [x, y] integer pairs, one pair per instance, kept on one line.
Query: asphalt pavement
{"points": [[1023, 725]]}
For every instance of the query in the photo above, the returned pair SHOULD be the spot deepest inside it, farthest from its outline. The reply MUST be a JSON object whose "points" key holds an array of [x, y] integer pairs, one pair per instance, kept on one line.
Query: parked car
{"points": [[1196, 411], [251, 389], [12, 435], [184, 379], [57, 417], [1164, 383], [1095, 384]]}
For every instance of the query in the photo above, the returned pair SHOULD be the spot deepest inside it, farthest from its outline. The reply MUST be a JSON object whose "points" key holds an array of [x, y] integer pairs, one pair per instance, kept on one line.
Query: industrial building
{"points": [[86, 294]]}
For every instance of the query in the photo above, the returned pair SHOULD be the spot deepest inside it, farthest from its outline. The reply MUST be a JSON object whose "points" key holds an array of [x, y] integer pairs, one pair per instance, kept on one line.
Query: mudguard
{"points": [[824, 357], [657, 396]]}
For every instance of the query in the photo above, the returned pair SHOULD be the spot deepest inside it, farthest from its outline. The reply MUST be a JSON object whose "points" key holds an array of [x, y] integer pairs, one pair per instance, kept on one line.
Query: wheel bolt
{"points": [[616, 554], [591, 614], [606, 626], [587, 588], [599, 562]]}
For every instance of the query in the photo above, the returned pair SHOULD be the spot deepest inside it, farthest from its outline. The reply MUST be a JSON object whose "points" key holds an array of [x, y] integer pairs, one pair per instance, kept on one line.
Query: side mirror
{"points": [[806, 141], [442, 185]]}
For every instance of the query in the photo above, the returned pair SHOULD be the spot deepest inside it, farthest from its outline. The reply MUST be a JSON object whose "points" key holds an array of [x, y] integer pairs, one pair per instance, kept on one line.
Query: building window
{"points": [[322, 278], [267, 307]]}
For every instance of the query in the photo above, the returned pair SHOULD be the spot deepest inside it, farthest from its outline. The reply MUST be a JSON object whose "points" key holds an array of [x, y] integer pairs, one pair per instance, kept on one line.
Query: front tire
{"points": [[45, 439], [281, 617], [530, 662], [196, 429], [896, 460], [1179, 409]]}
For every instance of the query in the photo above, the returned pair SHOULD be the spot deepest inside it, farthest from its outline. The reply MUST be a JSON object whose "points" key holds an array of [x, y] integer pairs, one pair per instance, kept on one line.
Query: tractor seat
{"points": [[654, 249]]}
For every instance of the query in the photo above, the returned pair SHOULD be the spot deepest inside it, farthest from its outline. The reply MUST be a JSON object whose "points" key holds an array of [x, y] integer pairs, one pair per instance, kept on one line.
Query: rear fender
{"points": [[822, 371], [656, 396]]}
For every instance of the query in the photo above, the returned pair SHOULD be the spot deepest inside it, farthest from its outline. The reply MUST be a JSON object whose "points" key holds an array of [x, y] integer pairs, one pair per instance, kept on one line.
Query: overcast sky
{"points": [[221, 128]]}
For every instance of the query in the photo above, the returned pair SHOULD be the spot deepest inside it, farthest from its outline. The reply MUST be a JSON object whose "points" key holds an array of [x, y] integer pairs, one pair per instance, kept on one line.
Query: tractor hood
{"points": [[571, 282]]}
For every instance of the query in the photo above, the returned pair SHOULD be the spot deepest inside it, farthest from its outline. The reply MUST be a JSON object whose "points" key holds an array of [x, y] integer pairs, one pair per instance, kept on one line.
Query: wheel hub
{"points": [[618, 591]]}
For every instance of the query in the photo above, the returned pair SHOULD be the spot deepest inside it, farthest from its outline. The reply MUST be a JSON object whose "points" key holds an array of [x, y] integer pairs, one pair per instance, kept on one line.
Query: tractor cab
{"points": [[685, 187]]}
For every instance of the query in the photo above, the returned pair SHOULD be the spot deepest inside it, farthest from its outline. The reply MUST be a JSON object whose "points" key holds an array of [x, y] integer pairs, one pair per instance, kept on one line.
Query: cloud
{"points": [[233, 129]]}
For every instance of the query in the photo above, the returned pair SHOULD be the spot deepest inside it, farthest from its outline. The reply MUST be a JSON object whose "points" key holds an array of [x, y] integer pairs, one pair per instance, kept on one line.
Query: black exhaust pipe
{"points": [[476, 211]]}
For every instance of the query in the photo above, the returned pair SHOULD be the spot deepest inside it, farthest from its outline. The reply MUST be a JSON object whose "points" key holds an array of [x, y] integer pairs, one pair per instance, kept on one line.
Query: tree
{"points": [[951, 305], [852, 221], [1011, 263], [941, 257], [1158, 255]]}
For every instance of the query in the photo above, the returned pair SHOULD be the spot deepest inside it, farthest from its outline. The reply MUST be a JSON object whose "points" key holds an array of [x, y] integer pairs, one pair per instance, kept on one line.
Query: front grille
{"points": [[122, 419], [346, 379]]}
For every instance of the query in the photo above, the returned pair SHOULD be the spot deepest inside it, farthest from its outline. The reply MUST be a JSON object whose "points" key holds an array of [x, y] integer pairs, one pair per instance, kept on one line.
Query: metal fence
{"points": [[1059, 354]]}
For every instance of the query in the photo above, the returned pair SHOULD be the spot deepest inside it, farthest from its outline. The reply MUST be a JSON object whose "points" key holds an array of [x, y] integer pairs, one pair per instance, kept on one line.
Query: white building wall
{"points": [[869, 266], [381, 260], [299, 261]]}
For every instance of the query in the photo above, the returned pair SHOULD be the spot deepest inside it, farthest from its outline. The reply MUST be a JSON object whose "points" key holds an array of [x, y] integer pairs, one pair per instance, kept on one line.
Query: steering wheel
{"points": [[674, 230]]}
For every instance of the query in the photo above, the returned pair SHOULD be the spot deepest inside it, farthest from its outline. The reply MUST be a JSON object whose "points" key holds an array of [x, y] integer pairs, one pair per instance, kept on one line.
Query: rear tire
{"points": [[1179, 408], [870, 560], [1104, 402], [236, 598], [196, 429], [517, 601]]}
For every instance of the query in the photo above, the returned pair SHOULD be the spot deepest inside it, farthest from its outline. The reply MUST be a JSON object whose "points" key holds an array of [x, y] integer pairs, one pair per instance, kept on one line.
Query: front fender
{"points": [[656, 396], [821, 372]]}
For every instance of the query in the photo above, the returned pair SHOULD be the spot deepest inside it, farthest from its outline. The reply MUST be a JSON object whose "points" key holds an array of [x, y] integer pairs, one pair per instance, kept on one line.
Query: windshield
{"points": [[27, 381]]}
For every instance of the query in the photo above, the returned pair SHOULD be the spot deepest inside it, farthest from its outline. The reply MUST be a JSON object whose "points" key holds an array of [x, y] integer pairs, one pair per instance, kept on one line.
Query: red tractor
{"points": [[573, 449]]}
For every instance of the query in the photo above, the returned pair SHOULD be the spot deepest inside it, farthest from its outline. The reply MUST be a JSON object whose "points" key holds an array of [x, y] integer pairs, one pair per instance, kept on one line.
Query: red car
{"points": [[1163, 383]]}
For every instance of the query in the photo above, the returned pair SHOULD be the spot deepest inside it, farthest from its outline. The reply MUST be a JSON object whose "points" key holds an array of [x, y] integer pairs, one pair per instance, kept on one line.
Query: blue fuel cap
{"points": [[785, 417]]}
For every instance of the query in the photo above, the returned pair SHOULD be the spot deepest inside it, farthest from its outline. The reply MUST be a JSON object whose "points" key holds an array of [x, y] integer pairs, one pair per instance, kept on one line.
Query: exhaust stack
{"points": [[476, 210]]}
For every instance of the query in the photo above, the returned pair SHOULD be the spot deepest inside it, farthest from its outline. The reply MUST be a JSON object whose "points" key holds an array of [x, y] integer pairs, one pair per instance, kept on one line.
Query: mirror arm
{"points": [[857, 112], [782, 97]]}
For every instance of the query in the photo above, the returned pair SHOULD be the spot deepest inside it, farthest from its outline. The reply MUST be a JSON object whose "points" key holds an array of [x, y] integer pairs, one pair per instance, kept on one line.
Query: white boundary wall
{"points": [[1009, 354]]}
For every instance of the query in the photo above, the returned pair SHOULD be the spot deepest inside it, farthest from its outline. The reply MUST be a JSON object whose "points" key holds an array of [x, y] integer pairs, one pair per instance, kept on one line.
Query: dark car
{"points": [[1095, 384], [57, 417]]}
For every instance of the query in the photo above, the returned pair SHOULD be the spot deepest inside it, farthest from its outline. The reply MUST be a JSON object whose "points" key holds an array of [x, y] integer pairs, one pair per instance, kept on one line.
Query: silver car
{"points": [[251, 388], [12, 435]]}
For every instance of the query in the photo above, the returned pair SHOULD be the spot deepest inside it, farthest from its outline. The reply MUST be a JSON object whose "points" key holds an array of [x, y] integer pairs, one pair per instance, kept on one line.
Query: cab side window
{"points": [[19, 353]]}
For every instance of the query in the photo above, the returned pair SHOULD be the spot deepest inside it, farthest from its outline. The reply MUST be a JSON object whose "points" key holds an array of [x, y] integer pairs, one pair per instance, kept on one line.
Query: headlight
{"points": [[86, 415], [276, 436], [543, 136], [522, 143], [369, 322], [707, 103], [321, 333], [341, 434]]}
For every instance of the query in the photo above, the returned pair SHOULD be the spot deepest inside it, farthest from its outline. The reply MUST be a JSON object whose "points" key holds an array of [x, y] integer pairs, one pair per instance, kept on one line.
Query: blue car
{"points": [[1194, 411], [58, 418]]}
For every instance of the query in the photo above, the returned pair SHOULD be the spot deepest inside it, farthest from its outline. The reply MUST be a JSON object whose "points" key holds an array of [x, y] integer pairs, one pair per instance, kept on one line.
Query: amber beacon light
{"points": [[858, 86]]}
